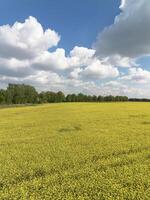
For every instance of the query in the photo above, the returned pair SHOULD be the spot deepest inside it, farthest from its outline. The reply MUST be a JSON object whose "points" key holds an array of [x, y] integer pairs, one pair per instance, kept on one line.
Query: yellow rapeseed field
{"points": [[75, 151]]}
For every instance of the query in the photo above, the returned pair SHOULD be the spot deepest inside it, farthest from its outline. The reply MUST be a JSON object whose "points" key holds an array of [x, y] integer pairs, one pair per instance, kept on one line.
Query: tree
{"points": [[81, 97], [94, 98], [2, 96], [24, 94], [100, 98], [60, 97], [68, 98], [109, 98], [21, 94]]}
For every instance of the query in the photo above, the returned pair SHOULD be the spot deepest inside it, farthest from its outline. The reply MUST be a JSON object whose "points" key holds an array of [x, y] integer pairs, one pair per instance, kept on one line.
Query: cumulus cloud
{"points": [[97, 70], [81, 56], [76, 73], [119, 61], [15, 68], [26, 40], [129, 35], [125, 89], [122, 43], [26, 57], [137, 75], [58, 60], [51, 60], [80, 62], [123, 3]]}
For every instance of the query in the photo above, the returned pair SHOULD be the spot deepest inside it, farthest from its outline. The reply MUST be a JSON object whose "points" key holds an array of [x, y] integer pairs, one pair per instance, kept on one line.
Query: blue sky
{"points": [[74, 20], [90, 46]]}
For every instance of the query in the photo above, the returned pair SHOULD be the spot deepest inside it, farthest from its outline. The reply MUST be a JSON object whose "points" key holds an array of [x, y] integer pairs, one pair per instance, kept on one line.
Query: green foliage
{"points": [[26, 94], [75, 151], [88, 98], [2, 96], [21, 94]]}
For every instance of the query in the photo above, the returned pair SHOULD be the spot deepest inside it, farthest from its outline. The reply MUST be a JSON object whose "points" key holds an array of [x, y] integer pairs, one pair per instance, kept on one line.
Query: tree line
{"points": [[26, 94]]}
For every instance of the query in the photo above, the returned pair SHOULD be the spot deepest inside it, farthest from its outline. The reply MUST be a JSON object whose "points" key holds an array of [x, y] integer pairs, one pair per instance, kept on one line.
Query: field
{"points": [[75, 151]]}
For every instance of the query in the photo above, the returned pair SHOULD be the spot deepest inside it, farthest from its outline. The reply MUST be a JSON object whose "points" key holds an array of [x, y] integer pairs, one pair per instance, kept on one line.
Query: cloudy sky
{"points": [[90, 46]]}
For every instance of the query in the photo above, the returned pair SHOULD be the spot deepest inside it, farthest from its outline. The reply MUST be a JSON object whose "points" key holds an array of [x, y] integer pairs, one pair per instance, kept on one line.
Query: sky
{"points": [[97, 47]]}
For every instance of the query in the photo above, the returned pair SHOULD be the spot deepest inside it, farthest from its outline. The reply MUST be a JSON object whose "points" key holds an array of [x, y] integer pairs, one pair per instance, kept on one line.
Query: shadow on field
{"points": [[96, 158], [138, 116], [75, 128], [146, 123], [1, 185], [37, 173]]}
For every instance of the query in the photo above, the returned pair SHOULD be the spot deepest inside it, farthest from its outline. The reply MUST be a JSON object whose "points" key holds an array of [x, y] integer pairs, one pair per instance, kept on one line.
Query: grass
{"points": [[75, 151]]}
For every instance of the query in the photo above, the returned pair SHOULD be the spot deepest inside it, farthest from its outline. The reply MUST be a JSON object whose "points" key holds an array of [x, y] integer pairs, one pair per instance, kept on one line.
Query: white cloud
{"points": [[119, 61], [14, 67], [123, 3], [137, 75], [24, 53], [81, 62], [81, 56], [124, 88], [25, 58], [51, 60], [57, 60], [97, 70], [75, 74], [26, 40]]}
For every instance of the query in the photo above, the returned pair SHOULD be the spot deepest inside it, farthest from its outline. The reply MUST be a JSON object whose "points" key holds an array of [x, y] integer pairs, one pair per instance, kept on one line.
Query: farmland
{"points": [[75, 151]]}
